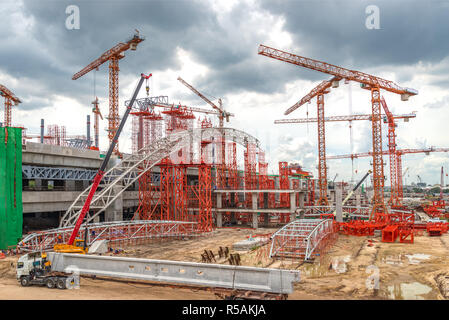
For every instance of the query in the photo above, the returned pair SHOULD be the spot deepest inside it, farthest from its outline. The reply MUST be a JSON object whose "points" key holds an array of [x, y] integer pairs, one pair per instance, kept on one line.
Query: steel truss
{"points": [[120, 177], [50, 173], [121, 232], [302, 238]]}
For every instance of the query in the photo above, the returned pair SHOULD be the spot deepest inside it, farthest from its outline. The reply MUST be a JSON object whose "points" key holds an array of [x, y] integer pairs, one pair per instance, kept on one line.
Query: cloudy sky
{"points": [[213, 45]]}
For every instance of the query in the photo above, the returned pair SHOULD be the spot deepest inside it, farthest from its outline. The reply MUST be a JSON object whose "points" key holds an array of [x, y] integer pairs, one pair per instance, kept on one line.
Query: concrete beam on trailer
{"points": [[186, 273]]}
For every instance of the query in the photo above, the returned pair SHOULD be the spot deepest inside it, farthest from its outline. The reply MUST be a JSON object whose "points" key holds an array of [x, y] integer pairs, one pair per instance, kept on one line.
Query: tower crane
{"points": [[10, 99], [367, 81], [112, 55], [399, 153], [395, 174], [354, 117], [222, 115], [97, 115], [319, 92]]}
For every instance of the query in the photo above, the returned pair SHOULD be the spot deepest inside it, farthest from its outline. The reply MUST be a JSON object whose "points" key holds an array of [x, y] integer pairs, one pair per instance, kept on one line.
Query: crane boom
{"points": [[5, 92], [400, 151], [101, 171], [222, 114], [213, 105], [107, 55], [321, 88], [10, 98], [336, 71], [353, 117]]}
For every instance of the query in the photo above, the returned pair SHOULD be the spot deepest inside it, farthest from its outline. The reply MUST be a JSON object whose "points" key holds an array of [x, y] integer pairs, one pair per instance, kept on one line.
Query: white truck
{"points": [[35, 269]]}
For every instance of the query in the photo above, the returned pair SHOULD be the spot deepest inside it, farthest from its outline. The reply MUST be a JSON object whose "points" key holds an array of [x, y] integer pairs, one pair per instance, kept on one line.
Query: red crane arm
{"points": [[390, 117], [353, 75], [321, 88], [200, 95], [5, 92], [401, 151], [353, 117], [114, 51]]}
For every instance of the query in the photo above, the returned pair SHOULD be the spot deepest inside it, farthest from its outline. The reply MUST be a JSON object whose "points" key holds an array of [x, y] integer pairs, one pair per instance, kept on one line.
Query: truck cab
{"points": [[35, 268]]}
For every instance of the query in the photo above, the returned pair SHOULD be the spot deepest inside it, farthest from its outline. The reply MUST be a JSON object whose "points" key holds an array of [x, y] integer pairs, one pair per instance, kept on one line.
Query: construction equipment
{"points": [[441, 183], [319, 92], [97, 115], [112, 55], [352, 192], [35, 268], [221, 182], [222, 114], [101, 171], [367, 81], [10, 98], [353, 117], [395, 172]]}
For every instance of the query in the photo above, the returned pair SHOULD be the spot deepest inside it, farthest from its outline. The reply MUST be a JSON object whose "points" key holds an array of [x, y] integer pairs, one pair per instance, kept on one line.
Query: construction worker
{"points": [[46, 264]]}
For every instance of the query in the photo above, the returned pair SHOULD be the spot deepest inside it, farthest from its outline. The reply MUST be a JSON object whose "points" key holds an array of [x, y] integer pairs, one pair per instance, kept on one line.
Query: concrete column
{"points": [[358, 200], [302, 196], [69, 185], [292, 206], [115, 211], [338, 204], [332, 196], [254, 201], [38, 184], [219, 214]]}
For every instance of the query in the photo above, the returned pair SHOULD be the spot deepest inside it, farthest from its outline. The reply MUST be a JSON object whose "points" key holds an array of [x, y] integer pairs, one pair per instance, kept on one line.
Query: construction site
{"points": [[192, 212]]}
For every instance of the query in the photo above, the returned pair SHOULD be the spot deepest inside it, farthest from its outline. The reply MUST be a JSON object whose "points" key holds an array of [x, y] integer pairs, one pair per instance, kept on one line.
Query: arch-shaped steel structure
{"points": [[121, 176]]}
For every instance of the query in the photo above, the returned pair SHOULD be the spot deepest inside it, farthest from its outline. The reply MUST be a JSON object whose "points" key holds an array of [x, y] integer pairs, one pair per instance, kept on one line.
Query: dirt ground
{"points": [[349, 270]]}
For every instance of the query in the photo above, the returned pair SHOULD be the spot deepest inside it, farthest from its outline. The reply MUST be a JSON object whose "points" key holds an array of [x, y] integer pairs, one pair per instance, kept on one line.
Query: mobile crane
{"points": [[76, 245], [35, 268]]}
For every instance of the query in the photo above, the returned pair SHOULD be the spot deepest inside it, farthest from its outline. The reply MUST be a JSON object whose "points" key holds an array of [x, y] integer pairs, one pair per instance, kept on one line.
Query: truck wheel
{"points": [[50, 283], [60, 284], [25, 281]]}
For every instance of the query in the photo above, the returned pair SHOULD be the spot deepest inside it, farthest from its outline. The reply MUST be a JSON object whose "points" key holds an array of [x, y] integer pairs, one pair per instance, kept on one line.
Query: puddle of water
{"points": [[417, 258], [408, 291]]}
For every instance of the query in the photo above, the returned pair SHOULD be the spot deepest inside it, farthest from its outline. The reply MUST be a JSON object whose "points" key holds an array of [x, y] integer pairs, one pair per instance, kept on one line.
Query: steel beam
{"points": [[188, 273]]}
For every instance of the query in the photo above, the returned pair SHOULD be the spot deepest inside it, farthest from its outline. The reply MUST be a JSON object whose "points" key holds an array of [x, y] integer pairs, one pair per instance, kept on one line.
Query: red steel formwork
{"points": [[310, 192], [283, 184], [205, 221], [263, 179], [250, 172]]}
